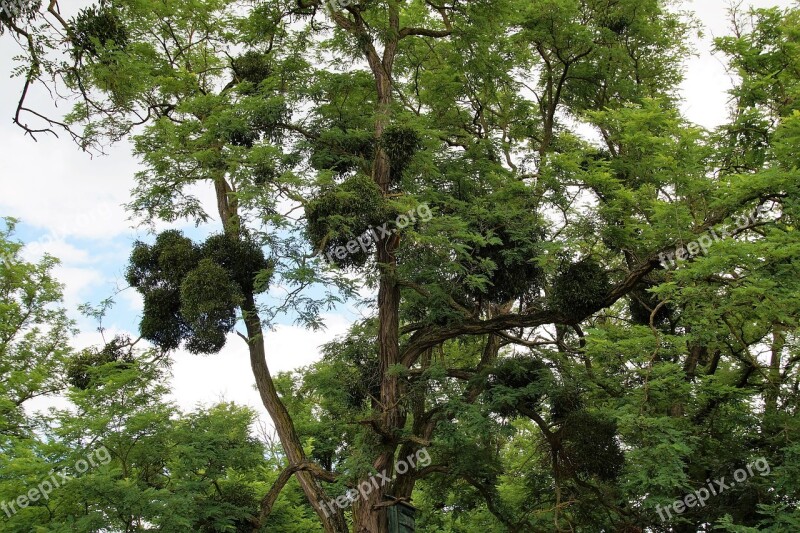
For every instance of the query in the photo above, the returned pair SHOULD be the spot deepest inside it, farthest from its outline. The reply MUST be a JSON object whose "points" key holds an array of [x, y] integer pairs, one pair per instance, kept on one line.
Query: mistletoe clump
{"points": [[344, 212], [209, 298], [400, 144], [516, 382], [256, 119], [242, 135], [564, 401], [513, 254], [96, 28], [252, 66], [359, 377], [506, 254], [343, 151], [191, 292], [267, 115], [581, 288], [241, 258], [82, 369], [618, 22], [164, 264], [590, 447]]}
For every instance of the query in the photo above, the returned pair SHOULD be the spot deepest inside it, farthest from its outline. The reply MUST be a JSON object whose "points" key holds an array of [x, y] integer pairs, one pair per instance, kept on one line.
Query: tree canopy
{"points": [[598, 320]]}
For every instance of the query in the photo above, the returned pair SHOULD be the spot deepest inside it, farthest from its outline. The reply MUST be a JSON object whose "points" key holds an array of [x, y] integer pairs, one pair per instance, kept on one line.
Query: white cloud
{"points": [[132, 299], [78, 284], [707, 79], [227, 375], [65, 193], [65, 252]]}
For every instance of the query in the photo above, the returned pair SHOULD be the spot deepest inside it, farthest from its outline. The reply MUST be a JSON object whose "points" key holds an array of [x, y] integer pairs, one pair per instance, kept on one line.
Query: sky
{"points": [[71, 206]]}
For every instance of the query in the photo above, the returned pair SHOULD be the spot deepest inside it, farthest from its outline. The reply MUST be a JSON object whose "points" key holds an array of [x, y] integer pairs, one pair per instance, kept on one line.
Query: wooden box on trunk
{"points": [[401, 518]]}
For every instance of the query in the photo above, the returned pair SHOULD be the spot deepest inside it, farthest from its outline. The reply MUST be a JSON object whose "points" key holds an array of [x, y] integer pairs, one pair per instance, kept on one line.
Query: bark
{"points": [[284, 426], [368, 514], [774, 385], [367, 518]]}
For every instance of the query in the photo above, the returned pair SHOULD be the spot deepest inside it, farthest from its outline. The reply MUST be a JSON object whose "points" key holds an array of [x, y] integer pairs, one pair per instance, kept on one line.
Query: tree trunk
{"points": [[773, 387], [333, 522], [367, 516]]}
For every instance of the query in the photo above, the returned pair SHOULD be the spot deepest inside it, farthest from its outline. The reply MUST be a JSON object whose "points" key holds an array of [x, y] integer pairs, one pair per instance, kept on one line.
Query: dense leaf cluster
{"points": [[191, 292], [252, 66], [83, 369], [343, 212], [517, 382], [94, 29], [580, 288], [513, 250], [400, 144], [590, 445]]}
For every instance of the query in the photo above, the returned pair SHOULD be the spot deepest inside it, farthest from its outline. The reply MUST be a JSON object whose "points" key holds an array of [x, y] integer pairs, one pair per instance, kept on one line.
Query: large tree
{"points": [[545, 139], [112, 454]]}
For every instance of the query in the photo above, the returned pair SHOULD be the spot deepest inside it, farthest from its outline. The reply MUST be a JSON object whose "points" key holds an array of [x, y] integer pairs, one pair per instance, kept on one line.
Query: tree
{"points": [[538, 302], [34, 336]]}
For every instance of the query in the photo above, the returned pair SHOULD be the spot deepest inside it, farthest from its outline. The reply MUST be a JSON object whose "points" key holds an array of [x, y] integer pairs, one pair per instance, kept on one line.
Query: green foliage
{"points": [[499, 251], [18, 11], [147, 462], [517, 382], [511, 249], [82, 369], [241, 259], [34, 335], [536, 131], [191, 292], [209, 298], [590, 445], [642, 304], [400, 144], [342, 151], [580, 288], [344, 212], [252, 66], [95, 29]]}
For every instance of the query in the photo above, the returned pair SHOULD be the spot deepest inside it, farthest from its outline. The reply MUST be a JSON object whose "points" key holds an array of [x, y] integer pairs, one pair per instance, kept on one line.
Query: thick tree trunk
{"points": [[368, 515], [333, 522], [773, 387]]}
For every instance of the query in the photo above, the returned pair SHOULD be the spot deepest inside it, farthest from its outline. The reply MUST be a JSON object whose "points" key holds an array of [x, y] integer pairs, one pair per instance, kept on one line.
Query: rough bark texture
{"points": [[284, 426], [368, 514]]}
